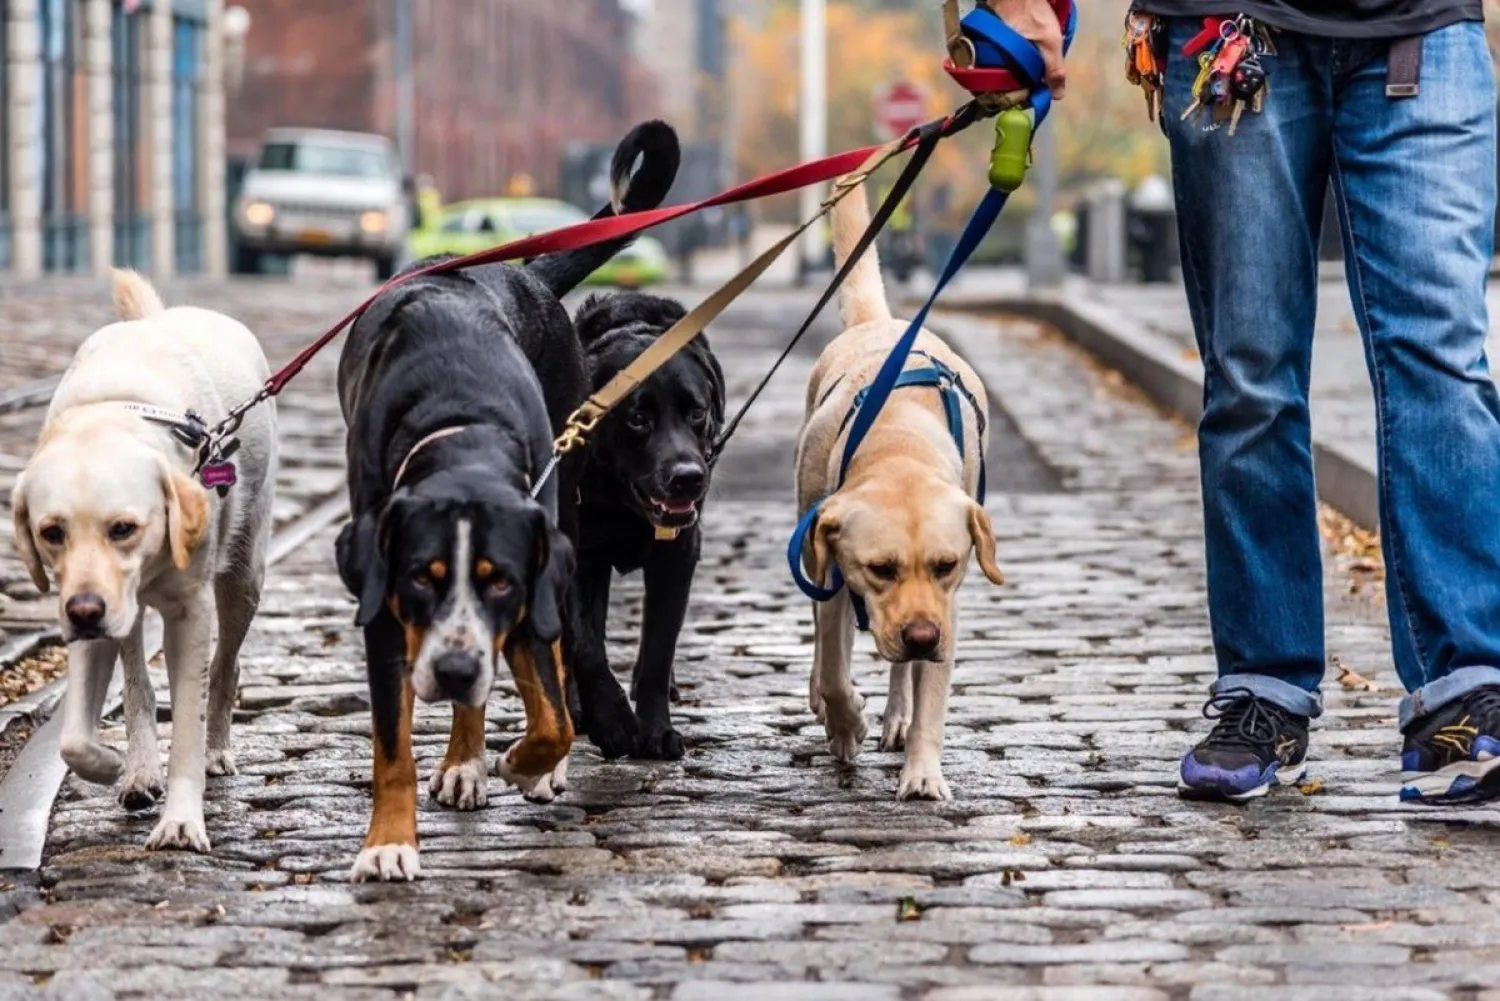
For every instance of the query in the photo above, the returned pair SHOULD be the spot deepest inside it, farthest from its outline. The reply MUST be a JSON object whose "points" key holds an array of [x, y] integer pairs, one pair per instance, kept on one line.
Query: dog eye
{"points": [[499, 586], [944, 567], [698, 416], [884, 570], [638, 422], [122, 530], [53, 535], [421, 578]]}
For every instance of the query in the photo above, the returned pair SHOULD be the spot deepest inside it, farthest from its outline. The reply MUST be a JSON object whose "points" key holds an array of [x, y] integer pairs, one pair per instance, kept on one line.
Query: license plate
{"points": [[317, 236]]}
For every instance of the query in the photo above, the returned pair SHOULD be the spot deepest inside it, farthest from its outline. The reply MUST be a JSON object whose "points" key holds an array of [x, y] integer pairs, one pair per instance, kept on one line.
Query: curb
{"points": [[1176, 384]]}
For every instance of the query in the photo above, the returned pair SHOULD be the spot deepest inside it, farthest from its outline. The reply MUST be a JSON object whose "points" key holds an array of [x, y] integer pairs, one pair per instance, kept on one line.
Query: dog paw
{"points": [[185, 831], [560, 778], [816, 705], [386, 863], [893, 733], [610, 723], [923, 781], [846, 728], [220, 761], [142, 789], [93, 762], [534, 788], [659, 742], [462, 786]]}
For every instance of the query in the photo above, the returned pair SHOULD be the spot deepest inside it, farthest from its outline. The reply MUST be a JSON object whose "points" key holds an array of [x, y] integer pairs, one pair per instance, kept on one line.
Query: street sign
{"points": [[899, 107]]}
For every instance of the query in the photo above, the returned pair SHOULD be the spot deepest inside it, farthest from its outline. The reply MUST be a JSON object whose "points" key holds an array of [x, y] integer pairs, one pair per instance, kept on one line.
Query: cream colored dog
{"points": [[110, 504], [899, 529]]}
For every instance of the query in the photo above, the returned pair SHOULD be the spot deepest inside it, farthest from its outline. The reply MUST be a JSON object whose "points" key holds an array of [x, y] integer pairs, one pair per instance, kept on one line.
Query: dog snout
{"points": [[456, 673], [685, 480], [921, 639], [86, 614]]}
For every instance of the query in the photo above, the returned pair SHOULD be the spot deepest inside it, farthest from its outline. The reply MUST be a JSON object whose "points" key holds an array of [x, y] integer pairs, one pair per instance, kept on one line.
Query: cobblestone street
{"points": [[1065, 868]]}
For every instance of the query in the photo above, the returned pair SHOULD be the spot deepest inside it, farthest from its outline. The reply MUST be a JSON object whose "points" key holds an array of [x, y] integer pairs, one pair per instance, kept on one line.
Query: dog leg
{"points": [[390, 848], [843, 715], [461, 779], [669, 581], [187, 634], [530, 762], [897, 709], [143, 784], [922, 776], [238, 599], [605, 713], [91, 665]]}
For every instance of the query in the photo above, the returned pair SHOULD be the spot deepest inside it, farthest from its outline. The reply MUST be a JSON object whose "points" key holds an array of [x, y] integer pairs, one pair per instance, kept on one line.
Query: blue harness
{"points": [[996, 45]]}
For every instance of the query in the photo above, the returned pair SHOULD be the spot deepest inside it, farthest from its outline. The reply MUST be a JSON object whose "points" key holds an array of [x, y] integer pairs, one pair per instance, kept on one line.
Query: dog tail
{"points": [[134, 297], [862, 296], [654, 143]]}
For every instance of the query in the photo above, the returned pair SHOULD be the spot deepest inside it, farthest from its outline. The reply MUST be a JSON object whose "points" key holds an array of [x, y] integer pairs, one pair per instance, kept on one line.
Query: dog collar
{"points": [[664, 534], [213, 466], [437, 435]]}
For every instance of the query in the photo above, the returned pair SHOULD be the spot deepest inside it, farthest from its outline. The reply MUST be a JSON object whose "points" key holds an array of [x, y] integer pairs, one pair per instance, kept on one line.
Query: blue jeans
{"points": [[1414, 180]]}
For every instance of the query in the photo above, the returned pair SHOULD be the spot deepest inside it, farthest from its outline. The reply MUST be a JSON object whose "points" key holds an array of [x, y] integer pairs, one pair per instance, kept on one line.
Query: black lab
{"points": [[644, 482], [453, 387]]}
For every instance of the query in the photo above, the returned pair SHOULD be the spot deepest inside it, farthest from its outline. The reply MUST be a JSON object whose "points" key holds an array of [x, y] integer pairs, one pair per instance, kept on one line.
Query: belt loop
{"points": [[1403, 68]]}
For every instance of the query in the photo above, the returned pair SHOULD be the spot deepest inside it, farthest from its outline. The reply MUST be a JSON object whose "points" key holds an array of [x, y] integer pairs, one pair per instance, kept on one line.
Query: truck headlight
{"points": [[373, 223], [259, 213]]}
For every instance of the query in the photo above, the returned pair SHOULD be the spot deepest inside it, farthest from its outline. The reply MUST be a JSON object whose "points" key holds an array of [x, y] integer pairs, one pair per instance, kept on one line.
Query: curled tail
{"points": [[654, 144], [134, 297], [862, 296]]}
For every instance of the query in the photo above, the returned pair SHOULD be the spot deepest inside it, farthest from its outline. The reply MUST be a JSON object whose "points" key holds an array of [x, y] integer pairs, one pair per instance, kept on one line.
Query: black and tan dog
{"points": [[453, 387], [644, 482]]}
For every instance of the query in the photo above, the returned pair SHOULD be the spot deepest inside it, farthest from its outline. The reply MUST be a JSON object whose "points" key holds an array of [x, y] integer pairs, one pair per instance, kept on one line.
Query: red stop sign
{"points": [[899, 107]]}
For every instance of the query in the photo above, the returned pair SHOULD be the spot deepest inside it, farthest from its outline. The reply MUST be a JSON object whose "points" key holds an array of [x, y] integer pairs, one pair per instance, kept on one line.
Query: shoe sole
{"points": [[1460, 782], [1286, 775]]}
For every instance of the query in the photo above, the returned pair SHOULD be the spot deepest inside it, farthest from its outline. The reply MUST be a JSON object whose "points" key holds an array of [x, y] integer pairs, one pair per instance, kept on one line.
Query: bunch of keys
{"points": [[1141, 66], [1230, 75]]}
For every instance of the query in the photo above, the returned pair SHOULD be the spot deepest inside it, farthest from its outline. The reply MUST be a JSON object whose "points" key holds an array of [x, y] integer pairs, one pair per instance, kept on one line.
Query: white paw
{"points": [[142, 788], [463, 786], [93, 762], [560, 778], [220, 762], [180, 829], [893, 733], [815, 703], [923, 780], [846, 728], [536, 788], [388, 863]]}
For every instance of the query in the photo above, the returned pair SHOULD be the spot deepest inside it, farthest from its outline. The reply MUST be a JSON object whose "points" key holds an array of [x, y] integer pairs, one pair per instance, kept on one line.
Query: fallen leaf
{"points": [[1371, 926], [1351, 680], [1311, 787], [1021, 840], [907, 910]]}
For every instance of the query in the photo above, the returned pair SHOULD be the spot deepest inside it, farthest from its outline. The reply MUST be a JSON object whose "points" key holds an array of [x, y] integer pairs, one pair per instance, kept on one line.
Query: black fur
{"points": [[491, 349], [649, 448]]}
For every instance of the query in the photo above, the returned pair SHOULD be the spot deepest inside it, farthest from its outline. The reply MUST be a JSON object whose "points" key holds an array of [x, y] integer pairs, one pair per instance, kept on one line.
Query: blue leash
{"points": [[996, 45]]}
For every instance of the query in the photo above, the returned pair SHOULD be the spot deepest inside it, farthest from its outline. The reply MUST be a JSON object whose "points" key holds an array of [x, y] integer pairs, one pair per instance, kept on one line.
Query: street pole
{"points": [[814, 115], [405, 92], [1044, 263]]}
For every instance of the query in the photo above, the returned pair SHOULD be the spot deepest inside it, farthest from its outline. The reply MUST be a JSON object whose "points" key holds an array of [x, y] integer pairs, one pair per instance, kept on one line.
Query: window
{"points": [[4, 142], [132, 236], [187, 78], [332, 159], [63, 125]]}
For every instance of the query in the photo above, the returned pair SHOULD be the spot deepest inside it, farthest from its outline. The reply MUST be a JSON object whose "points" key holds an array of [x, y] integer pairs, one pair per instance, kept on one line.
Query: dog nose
{"points": [[456, 673], [686, 480], [85, 611], [920, 638]]}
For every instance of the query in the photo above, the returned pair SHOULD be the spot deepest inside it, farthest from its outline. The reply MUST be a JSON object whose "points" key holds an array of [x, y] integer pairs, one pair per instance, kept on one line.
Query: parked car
{"points": [[314, 191], [471, 226]]}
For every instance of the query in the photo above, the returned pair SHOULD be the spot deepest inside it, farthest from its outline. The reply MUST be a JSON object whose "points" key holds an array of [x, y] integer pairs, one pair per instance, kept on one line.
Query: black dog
{"points": [[453, 387], [644, 482]]}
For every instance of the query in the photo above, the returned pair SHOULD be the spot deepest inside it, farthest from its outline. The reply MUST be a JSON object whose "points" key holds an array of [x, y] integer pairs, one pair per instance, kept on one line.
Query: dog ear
{"points": [[704, 356], [361, 554], [983, 534], [25, 544], [825, 537], [187, 515], [551, 577]]}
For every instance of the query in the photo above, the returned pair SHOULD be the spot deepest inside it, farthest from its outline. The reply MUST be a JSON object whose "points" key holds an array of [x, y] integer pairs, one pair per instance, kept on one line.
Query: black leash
{"points": [[927, 141]]}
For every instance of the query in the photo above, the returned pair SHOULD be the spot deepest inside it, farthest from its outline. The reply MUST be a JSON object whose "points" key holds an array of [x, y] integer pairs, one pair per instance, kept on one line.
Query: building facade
{"points": [[499, 87], [113, 130]]}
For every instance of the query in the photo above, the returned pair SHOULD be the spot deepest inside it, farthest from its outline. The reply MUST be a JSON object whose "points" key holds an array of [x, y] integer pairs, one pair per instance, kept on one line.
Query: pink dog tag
{"points": [[220, 475]]}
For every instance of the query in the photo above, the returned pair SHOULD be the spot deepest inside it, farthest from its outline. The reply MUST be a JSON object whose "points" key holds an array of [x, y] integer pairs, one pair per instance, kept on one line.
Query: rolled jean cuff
{"points": [[1297, 701], [1435, 694]]}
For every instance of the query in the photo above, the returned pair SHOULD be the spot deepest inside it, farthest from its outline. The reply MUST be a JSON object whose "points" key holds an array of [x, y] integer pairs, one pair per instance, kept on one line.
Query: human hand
{"points": [[1036, 21]]}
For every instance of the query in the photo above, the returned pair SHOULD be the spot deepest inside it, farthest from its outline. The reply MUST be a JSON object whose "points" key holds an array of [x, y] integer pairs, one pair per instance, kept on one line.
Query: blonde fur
{"points": [[134, 297], [862, 296]]}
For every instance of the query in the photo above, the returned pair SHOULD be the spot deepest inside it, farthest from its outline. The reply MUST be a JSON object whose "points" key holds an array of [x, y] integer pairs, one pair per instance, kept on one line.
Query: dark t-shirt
{"points": [[1335, 18]]}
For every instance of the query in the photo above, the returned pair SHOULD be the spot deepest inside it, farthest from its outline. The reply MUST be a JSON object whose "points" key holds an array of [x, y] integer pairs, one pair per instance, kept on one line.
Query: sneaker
{"points": [[1453, 755], [1254, 744]]}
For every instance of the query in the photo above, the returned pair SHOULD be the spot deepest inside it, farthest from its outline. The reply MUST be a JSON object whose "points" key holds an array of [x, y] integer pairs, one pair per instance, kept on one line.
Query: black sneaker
{"points": [[1254, 744], [1453, 755]]}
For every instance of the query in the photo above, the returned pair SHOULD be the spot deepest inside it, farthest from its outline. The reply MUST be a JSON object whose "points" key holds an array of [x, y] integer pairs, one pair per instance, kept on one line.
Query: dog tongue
{"points": [[675, 507]]}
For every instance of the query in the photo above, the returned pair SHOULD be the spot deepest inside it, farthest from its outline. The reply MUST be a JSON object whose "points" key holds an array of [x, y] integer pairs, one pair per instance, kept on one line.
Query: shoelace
{"points": [[1243, 720], [1483, 705]]}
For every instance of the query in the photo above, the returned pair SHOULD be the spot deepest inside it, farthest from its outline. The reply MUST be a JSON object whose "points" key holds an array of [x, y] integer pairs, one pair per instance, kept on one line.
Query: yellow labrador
{"points": [[899, 529], [110, 504]]}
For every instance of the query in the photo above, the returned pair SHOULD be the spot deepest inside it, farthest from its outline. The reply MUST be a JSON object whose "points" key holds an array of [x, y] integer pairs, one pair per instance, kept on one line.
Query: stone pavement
{"points": [[1065, 869]]}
